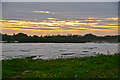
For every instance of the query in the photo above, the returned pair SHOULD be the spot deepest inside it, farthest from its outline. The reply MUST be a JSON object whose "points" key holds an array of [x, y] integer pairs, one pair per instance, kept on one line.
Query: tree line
{"points": [[24, 38]]}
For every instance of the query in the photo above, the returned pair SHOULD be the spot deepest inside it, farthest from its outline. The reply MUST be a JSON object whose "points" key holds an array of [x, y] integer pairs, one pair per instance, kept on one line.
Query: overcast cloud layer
{"points": [[60, 0]]}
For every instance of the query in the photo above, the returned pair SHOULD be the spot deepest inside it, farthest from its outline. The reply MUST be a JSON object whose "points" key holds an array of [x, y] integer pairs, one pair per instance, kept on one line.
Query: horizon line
{"points": [[59, 34]]}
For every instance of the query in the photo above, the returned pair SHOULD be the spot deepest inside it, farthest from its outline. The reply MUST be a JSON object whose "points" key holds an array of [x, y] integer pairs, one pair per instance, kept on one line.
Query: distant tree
{"points": [[22, 35], [13, 34], [69, 35], [35, 36]]}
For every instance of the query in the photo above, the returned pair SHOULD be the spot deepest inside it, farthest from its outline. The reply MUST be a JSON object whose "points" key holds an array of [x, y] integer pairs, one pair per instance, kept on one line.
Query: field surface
{"points": [[101, 66]]}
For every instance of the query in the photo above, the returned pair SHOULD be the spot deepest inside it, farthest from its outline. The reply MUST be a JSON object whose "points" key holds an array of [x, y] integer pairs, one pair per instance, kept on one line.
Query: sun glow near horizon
{"points": [[56, 26]]}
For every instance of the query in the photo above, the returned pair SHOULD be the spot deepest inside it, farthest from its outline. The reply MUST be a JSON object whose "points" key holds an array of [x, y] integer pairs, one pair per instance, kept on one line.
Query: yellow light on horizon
{"points": [[61, 26], [113, 18]]}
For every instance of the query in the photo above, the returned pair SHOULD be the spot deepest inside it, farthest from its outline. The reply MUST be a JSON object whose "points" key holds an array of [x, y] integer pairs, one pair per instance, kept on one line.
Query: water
{"points": [[56, 50]]}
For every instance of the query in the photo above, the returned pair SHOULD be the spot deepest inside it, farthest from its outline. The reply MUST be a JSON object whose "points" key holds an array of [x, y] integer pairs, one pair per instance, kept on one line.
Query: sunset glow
{"points": [[53, 26]]}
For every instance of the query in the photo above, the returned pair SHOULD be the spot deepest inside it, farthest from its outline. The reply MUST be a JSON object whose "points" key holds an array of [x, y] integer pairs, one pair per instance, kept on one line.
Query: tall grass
{"points": [[101, 66]]}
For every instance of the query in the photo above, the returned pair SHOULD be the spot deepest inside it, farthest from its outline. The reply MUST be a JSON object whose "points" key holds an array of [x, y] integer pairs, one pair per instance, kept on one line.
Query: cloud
{"points": [[44, 12], [96, 27], [99, 28], [81, 29], [60, 1], [31, 28], [112, 25], [43, 29], [66, 28], [89, 21], [13, 19]]}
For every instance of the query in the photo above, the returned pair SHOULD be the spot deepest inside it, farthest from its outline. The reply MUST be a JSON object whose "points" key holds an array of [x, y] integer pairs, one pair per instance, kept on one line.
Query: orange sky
{"points": [[53, 26]]}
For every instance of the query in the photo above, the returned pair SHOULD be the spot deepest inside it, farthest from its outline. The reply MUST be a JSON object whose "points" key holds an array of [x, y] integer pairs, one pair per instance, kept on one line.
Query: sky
{"points": [[60, 0], [53, 18]]}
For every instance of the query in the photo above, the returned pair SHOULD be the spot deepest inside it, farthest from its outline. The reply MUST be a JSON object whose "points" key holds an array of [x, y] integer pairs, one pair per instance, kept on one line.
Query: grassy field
{"points": [[102, 66]]}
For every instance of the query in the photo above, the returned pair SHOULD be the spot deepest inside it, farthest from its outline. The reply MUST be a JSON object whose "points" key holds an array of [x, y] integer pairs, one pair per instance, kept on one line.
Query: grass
{"points": [[102, 66]]}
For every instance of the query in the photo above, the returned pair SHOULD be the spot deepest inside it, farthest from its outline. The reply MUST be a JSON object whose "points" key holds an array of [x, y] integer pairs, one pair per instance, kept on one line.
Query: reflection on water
{"points": [[56, 50]]}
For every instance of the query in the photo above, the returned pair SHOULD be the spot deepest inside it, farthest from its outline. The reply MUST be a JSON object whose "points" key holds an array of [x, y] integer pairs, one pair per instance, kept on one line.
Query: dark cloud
{"points": [[43, 29], [81, 29], [101, 24], [97, 27], [13, 19], [109, 21], [89, 21], [31, 28], [67, 28], [54, 26], [112, 25]]}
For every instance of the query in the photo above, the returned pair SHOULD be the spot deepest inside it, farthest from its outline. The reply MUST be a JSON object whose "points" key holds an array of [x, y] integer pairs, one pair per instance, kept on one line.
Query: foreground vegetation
{"points": [[102, 66]]}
